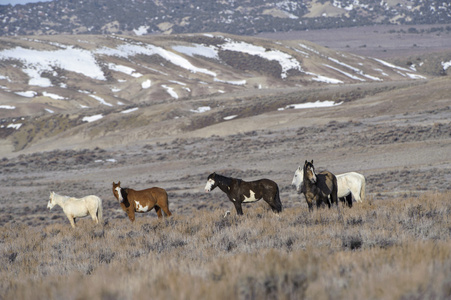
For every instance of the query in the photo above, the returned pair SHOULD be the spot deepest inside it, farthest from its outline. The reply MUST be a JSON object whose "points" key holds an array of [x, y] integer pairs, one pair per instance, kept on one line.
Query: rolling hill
{"points": [[70, 83]]}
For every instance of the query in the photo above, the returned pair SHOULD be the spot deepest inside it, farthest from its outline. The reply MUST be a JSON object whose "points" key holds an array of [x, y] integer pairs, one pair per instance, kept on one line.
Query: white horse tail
{"points": [[362, 190], [100, 211]]}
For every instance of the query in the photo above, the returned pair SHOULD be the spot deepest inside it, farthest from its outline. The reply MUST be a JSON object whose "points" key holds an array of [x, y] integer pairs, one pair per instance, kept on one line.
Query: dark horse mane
{"points": [[124, 193], [224, 180]]}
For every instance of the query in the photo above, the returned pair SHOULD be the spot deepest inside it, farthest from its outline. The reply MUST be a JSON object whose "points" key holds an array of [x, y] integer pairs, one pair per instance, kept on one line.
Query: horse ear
{"points": [[119, 183], [312, 161]]}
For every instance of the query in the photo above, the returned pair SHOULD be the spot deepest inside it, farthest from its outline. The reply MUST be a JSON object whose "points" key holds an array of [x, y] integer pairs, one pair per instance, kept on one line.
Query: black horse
{"points": [[240, 191], [318, 187]]}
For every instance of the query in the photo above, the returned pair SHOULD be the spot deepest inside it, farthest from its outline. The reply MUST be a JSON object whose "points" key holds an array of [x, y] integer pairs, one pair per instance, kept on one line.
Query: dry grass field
{"points": [[388, 249]]}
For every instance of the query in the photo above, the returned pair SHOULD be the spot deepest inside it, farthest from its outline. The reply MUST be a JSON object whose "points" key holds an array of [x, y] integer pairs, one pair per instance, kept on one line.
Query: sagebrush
{"points": [[387, 249]]}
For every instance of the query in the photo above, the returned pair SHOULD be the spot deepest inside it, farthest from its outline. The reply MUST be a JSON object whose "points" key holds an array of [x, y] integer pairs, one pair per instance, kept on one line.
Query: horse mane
{"points": [[124, 193], [226, 180], [65, 198]]}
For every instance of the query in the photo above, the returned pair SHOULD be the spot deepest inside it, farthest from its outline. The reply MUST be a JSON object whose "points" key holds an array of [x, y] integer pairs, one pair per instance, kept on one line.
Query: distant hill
{"points": [[49, 84], [59, 73], [234, 17]]}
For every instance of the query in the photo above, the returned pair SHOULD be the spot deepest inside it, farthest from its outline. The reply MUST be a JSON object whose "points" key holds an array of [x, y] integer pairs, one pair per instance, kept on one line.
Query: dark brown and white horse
{"points": [[318, 187], [132, 201], [239, 191]]}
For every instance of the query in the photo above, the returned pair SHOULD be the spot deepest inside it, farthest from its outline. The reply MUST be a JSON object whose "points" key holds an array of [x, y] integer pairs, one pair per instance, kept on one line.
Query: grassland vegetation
{"points": [[347, 253]]}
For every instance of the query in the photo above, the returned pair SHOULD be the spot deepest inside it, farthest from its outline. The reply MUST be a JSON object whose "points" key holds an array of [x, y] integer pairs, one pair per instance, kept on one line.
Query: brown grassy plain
{"points": [[387, 249]]}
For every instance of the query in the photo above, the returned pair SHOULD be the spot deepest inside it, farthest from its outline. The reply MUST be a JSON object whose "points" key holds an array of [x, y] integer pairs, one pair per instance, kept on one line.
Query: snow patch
{"points": [[35, 62], [200, 50], [28, 94], [201, 109], [101, 100], [53, 96], [132, 50], [170, 91], [446, 65], [124, 69], [232, 82], [142, 30], [14, 126], [230, 117], [7, 107], [92, 118], [129, 110], [315, 104], [146, 84]]}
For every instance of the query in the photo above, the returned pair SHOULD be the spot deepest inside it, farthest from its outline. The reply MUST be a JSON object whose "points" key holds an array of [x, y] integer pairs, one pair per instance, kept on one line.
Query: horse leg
{"points": [[238, 208], [131, 215], [326, 199], [349, 199], [71, 220], [356, 195], [158, 210], [274, 203], [320, 200], [94, 216], [165, 208], [309, 203]]}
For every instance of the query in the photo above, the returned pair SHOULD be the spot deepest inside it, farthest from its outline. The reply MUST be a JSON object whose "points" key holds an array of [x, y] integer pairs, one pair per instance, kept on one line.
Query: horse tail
{"points": [[362, 190], [277, 202], [334, 196], [100, 210]]}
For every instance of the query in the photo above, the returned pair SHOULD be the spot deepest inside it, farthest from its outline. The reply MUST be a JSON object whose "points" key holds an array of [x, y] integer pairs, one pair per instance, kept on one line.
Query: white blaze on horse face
{"points": [[119, 194], [210, 183], [313, 179], [251, 197], [141, 208]]}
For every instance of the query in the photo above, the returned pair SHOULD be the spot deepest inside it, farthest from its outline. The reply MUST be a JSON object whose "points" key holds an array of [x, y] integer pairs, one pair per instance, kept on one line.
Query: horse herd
{"points": [[318, 188]]}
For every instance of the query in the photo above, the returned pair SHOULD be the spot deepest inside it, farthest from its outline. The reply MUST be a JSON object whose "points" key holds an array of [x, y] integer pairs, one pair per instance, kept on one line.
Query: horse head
{"points": [[309, 171], [298, 179], [51, 202], [117, 191], [211, 182]]}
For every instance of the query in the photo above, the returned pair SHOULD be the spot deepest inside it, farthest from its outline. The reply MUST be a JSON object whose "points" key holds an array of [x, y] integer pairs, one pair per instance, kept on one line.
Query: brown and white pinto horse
{"points": [[318, 187], [132, 201], [239, 191]]}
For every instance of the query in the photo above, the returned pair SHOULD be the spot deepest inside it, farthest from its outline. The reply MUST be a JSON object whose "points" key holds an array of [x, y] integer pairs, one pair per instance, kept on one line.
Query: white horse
{"points": [[77, 207], [348, 183]]}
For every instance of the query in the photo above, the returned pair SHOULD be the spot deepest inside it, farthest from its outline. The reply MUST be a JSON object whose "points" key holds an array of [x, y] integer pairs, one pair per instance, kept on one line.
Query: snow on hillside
{"points": [[175, 69], [36, 62]]}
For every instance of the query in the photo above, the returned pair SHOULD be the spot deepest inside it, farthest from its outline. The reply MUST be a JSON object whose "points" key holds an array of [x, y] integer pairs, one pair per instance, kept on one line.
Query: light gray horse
{"points": [[77, 207]]}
